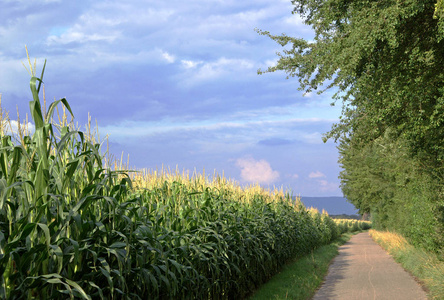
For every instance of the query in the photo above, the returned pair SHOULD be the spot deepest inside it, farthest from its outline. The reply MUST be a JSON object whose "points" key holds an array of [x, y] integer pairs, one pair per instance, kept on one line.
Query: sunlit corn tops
{"points": [[150, 179]]}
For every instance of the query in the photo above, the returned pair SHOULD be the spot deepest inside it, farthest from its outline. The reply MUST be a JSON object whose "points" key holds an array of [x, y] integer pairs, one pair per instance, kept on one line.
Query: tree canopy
{"points": [[385, 59]]}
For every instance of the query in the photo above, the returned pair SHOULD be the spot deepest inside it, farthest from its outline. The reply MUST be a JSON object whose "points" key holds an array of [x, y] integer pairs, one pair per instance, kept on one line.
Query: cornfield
{"points": [[74, 226], [347, 225]]}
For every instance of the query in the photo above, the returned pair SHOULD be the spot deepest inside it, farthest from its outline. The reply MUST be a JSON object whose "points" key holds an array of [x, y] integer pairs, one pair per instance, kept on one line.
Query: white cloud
{"points": [[269, 63], [257, 171], [294, 20], [92, 26], [189, 64], [80, 37], [11, 127], [316, 174], [326, 186], [292, 176], [168, 57], [223, 67]]}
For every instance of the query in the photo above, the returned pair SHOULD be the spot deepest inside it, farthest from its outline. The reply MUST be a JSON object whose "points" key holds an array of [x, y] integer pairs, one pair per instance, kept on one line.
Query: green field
{"points": [[75, 224]]}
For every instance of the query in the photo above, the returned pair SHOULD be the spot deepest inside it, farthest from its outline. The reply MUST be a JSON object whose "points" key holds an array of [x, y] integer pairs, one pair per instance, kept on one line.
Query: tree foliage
{"points": [[385, 59]]}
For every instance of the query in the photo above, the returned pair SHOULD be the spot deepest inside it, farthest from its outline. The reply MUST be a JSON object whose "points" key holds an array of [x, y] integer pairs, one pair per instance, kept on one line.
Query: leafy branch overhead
{"points": [[379, 56]]}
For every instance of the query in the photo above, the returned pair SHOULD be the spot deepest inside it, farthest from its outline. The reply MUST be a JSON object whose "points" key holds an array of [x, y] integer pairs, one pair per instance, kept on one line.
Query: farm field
{"points": [[74, 223], [175, 83]]}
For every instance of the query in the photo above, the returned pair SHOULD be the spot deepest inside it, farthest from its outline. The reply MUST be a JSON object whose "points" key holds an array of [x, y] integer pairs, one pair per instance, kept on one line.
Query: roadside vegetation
{"points": [[384, 60], [425, 266], [75, 224]]}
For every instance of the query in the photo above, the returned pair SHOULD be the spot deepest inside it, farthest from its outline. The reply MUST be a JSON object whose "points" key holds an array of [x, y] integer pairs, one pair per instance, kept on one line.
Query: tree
{"points": [[386, 60], [384, 57]]}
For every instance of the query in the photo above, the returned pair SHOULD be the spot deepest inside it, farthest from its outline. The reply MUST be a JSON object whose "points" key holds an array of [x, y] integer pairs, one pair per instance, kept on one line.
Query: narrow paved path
{"points": [[363, 270]]}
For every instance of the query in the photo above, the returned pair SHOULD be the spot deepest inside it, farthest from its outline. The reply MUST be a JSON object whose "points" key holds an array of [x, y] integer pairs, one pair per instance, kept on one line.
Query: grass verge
{"points": [[424, 265], [300, 278]]}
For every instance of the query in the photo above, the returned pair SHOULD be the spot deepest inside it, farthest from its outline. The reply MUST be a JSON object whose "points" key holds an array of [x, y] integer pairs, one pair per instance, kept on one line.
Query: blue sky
{"points": [[175, 84]]}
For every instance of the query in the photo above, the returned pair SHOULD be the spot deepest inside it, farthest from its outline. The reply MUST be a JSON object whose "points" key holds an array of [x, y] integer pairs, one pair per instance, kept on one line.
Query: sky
{"points": [[174, 84]]}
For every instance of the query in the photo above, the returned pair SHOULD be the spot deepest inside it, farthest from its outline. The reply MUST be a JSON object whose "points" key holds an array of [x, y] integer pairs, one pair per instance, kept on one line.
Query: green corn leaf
{"points": [[35, 106], [78, 289], [98, 174], [97, 287], [166, 281], [154, 282], [87, 189], [71, 167], [4, 156], [40, 138], [19, 234], [84, 202], [16, 158], [105, 264], [54, 281], [75, 245], [52, 275], [65, 102], [108, 277], [118, 245], [40, 182], [53, 105], [65, 139], [2, 242], [41, 76], [98, 158], [3, 192], [45, 229], [59, 254]]}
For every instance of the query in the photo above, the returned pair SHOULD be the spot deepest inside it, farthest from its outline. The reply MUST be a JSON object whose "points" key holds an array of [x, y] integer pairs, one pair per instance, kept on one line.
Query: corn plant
{"points": [[47, 186]]}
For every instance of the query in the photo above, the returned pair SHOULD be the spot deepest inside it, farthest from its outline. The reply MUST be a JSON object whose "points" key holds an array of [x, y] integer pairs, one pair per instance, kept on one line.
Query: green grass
{"points": [[300, 278], [425, 266]]}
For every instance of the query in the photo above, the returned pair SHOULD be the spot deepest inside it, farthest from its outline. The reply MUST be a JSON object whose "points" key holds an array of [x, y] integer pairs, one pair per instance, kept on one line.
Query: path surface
{"points": [[363, 270]]}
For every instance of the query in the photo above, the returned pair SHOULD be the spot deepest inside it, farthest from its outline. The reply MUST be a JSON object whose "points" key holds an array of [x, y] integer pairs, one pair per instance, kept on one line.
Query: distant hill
{"points": [[333, 205]]}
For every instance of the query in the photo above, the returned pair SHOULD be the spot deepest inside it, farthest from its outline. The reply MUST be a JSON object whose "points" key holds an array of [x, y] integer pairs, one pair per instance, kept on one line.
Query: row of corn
{"points": [[347, 225], [72, 227]]}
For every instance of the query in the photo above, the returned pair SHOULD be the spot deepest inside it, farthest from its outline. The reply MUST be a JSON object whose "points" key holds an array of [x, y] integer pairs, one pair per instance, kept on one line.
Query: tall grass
{"points": [[73, 227]]}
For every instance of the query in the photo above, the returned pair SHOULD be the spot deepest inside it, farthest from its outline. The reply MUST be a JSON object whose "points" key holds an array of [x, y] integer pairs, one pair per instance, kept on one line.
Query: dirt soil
{"points": [[363, 270]]}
